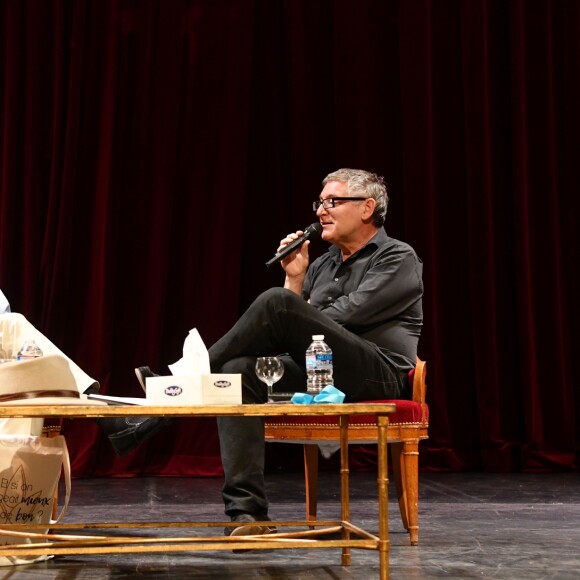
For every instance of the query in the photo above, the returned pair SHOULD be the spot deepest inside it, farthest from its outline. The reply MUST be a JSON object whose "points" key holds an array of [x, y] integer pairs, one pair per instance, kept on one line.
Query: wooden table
{"points": [[313, 536]]}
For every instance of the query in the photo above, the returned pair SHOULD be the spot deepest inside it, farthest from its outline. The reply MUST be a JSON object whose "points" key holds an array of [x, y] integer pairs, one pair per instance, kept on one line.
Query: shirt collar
{"points": [[378, 240]]}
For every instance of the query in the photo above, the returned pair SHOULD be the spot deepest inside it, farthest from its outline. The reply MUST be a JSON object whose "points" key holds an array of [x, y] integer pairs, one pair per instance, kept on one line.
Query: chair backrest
{"points": [[420, 387]]}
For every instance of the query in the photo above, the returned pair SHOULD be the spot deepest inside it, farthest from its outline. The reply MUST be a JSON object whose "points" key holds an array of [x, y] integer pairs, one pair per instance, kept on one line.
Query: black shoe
{"points": [[245, 525], [127, 433], [142, 374]]}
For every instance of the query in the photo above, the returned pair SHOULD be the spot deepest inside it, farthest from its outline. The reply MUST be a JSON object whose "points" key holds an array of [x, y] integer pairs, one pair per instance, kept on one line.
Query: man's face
{"points": [[340, 222]]}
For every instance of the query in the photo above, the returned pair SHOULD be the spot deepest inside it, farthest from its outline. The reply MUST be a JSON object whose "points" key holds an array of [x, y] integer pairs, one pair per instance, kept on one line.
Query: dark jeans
{"points": [[280, 321]]}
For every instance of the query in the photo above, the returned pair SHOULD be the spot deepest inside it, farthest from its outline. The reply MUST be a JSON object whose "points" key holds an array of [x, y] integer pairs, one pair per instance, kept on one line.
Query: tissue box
{"points": [[221, 389], [214, 389]]}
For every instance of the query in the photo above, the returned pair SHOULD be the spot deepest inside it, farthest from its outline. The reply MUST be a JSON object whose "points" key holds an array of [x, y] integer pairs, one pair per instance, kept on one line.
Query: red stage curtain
{"points": [[153, 153]]}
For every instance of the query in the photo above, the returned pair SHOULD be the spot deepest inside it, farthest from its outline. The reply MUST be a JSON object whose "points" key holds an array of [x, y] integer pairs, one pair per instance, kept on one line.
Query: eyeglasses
{"points": [[330, 202]]}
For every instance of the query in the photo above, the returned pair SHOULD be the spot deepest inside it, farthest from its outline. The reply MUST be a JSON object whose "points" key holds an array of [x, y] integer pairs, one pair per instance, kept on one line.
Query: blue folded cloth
{"points": [[330, 394]]}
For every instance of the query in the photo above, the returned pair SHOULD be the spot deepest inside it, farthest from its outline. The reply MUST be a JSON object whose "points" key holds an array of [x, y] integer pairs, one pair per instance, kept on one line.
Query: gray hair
{"points": [[364, 184]]}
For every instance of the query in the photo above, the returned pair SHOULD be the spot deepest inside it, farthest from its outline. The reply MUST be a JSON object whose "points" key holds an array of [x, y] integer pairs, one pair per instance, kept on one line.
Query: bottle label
{"points": [[324, 358]]}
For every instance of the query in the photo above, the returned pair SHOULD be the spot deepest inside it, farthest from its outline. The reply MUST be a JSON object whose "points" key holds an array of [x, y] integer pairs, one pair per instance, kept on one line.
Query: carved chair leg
{"points": [[411, 483], [311, 480], [400, 478]]}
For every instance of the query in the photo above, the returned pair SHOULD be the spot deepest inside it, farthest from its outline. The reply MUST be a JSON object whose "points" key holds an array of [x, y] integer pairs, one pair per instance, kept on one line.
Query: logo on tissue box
{"points": [[204, 389]]}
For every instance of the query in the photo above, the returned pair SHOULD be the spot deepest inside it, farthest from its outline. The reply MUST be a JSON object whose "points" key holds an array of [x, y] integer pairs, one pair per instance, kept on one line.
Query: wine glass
{"points": [[269, 369]]}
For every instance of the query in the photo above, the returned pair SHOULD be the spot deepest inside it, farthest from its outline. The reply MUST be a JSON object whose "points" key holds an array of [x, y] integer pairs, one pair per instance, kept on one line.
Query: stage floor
{"points": [[516, 526]]}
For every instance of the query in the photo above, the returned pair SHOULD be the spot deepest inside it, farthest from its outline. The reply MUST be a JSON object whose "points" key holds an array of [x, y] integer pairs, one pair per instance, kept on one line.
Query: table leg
{"points": [[344, 484], [383, 489]]}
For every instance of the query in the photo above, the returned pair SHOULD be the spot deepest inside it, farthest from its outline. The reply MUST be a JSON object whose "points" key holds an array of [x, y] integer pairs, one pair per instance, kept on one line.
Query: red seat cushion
{"points": [[406, 412]]}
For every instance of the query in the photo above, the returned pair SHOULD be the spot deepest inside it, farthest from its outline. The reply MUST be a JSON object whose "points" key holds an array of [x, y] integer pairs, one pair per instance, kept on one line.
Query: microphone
{"points": [[310, 233]]}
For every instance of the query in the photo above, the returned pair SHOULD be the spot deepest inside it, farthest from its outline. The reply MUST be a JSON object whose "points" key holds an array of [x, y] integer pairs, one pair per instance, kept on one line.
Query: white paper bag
{"points": [[30, 469]]}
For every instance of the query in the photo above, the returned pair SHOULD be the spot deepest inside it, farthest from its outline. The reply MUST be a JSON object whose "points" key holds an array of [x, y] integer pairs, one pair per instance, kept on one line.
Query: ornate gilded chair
{"points": [[407, 427]]}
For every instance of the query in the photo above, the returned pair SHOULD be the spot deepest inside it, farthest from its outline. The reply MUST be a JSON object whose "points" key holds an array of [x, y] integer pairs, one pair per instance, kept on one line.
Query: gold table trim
{"points": [[57, 543]]}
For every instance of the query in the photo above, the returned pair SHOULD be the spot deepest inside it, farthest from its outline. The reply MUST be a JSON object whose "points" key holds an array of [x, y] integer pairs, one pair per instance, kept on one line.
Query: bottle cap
{"points": [[318, 337]]}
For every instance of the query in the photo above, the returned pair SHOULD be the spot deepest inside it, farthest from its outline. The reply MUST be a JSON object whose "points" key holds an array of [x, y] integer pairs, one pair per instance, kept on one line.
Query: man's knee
{"points": [[240, 365], [277, 299]]}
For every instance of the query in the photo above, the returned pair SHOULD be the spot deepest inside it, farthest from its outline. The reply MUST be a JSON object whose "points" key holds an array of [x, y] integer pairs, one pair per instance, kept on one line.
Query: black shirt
{"points": [[376, 293]]}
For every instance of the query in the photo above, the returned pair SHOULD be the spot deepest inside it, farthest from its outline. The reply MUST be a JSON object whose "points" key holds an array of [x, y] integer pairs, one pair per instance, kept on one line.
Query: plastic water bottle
{"points": [[29, 350], [318, 365]]}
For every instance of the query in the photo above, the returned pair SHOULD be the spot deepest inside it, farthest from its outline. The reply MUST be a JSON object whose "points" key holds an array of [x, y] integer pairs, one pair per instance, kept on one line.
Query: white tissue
{"points": [[195, 360]]}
